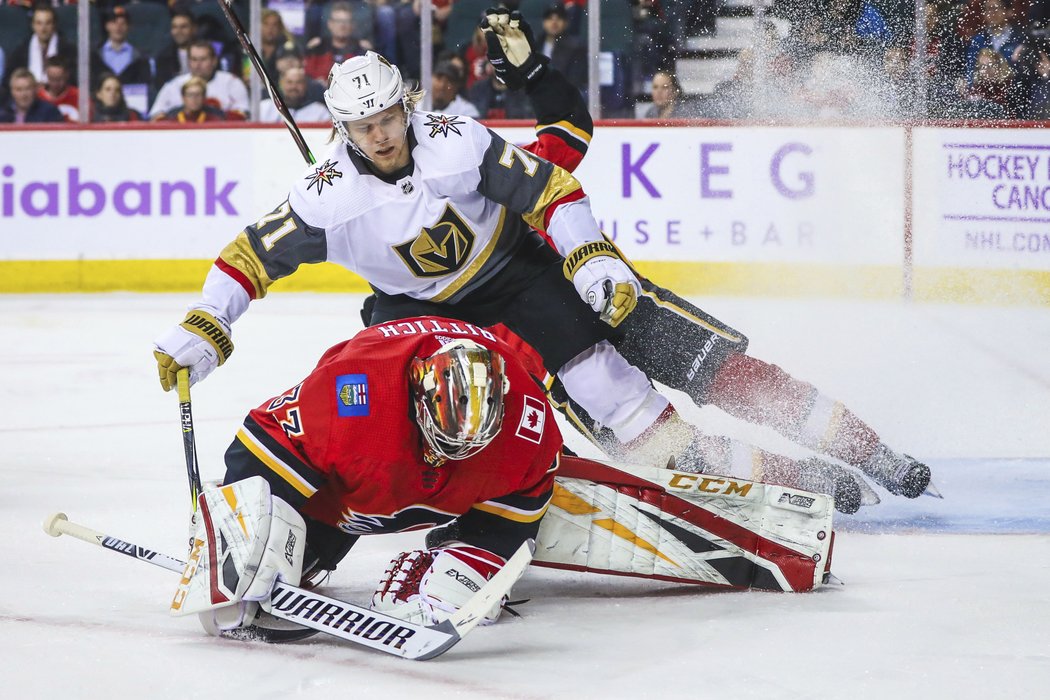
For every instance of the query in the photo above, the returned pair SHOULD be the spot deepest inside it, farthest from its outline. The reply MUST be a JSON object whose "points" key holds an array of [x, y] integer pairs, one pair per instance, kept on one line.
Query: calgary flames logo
{"points": [[442, 124], [439, 249], [322, 176]]}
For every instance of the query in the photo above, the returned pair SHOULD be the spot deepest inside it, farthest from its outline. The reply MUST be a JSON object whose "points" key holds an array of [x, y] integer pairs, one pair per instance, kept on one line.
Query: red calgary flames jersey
{"points": [[343, 445]]}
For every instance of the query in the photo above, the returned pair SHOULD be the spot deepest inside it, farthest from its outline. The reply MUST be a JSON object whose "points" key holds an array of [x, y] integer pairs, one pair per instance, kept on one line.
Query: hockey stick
{"points": [[278, 101], [189, 445], [338, 618]]}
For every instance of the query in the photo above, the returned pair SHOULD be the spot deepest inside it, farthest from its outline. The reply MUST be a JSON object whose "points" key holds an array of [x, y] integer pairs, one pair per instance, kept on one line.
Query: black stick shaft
{"points": [[278, 101]]}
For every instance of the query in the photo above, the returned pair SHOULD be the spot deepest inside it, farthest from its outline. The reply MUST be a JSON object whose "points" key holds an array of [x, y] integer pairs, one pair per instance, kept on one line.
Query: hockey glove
{"points": [[426, 586], [201, 342], [603, 280], [511, 49]]}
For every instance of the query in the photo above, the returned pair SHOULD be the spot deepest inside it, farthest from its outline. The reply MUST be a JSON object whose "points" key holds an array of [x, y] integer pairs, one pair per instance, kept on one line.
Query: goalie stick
{"points": [[338, 618]]}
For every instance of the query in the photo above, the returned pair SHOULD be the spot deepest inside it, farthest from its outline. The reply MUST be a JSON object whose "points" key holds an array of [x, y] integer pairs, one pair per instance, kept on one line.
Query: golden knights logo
{"points": [[439, 249], [442, 124], [323, 175]]}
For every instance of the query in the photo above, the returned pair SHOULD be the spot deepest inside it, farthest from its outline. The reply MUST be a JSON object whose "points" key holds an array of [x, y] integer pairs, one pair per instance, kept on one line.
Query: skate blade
{"points": [[831, 579], [933, 491], [868, 496]]}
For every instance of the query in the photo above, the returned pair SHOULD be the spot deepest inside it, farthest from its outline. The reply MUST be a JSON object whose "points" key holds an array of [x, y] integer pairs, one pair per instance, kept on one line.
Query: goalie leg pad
{"points": [[245, 540], [690, 528]]}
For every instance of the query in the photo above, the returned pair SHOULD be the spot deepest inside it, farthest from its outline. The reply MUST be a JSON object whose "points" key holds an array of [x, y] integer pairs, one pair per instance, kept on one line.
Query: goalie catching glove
{"points": [[511, 49], [427, 586], [603, 280], [201, 343], [245, 540]]}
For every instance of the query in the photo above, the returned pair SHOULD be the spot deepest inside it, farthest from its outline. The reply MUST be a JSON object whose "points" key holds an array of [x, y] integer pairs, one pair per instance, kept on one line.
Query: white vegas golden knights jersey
{"points": [[435, 234]]}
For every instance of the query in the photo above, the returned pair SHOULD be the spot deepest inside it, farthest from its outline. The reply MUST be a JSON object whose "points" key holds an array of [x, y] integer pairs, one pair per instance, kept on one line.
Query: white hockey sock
{"points": [[614, 392]]}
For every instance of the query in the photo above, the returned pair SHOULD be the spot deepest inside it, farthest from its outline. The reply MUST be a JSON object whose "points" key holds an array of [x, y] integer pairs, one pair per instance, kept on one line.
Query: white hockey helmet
{"points": [[458, 396], [360, 87]]}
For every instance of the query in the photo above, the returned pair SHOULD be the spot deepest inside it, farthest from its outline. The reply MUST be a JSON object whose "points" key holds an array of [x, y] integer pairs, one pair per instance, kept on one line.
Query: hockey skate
{"points": [[818, 476], [899, 474]]}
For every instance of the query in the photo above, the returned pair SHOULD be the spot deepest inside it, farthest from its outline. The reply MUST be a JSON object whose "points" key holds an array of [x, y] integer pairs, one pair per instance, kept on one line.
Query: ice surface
{"points": [[943, 599]]}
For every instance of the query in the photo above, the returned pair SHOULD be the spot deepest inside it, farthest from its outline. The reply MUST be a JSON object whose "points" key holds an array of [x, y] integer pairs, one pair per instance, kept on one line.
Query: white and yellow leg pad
{"points": [[691, 528], [245, 540]]}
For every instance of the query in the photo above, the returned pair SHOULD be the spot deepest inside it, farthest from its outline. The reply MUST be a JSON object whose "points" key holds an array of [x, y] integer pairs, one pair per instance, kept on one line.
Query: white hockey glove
{"points": [[426, 586], [603, 280], [246, 539], [201, 342]]}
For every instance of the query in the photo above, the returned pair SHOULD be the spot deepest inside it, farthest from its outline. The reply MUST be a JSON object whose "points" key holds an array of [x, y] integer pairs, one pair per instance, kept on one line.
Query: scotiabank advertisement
{"points": [[983, 198], [138, 194]]}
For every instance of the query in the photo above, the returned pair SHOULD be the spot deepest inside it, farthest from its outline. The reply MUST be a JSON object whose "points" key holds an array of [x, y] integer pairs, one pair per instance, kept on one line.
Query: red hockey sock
{"points": [[764, 394]]}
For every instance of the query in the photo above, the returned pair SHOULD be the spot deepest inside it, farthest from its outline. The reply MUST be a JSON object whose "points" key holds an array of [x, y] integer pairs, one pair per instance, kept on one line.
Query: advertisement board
{"points": [[982, 198], [778, 210]]}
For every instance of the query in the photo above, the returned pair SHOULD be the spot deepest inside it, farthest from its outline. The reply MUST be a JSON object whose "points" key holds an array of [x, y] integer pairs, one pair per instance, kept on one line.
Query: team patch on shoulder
{"points": [[351, 393], [322, 175], [442, 124], [530, 427]]}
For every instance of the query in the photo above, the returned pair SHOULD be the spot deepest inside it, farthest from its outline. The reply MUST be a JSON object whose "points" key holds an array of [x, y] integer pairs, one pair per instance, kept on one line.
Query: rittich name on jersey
{"points": [[392, 330]]}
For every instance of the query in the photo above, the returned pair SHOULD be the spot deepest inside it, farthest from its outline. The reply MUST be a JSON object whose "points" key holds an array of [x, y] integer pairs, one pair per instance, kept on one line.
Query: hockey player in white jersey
{"points": [[437, 213]]}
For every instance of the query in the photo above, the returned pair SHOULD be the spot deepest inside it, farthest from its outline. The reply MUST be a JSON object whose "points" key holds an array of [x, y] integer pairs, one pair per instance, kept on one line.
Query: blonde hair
{"points": [[194, 82]]}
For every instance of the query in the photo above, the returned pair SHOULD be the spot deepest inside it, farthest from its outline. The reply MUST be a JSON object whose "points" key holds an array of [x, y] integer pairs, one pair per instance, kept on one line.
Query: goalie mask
{"points": [[361, 87], [458, 396]]}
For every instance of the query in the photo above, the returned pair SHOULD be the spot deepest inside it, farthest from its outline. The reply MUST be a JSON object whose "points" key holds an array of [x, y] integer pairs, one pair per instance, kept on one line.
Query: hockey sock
{"points": [[764, 394]]}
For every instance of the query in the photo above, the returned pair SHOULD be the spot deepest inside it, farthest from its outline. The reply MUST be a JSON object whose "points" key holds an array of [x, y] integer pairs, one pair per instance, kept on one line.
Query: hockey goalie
{"points": [[433, 423]]}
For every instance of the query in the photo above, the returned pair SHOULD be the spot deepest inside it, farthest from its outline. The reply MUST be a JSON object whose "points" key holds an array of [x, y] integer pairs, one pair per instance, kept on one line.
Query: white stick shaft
{"points": [[58, 525]]}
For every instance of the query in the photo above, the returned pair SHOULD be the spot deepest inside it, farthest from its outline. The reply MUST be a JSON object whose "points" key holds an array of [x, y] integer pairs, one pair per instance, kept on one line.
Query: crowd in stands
{"points": [[177, 60]]}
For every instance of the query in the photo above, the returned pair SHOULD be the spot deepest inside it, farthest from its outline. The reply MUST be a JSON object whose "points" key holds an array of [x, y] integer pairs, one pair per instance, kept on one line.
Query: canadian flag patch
{"points": [[530, 426]]}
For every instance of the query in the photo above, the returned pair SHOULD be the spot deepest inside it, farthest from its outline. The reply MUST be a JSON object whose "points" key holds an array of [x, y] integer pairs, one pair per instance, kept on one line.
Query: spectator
{"points": [[997, 32], [194, 108], [225, 91], [25, 107], [855, 26], [42, 45], [384, 26], [58, 91], [314, 88], [668, 98], [653, 47], [276, 41], [174, 59], [494, 101], [116, 55], [323, 53], [108, 104], [475, 56], [945, 49], [567, 53], [408, 29], [900, 87], [446, 82], [293, 86], [1039, 96], [994, 85]]}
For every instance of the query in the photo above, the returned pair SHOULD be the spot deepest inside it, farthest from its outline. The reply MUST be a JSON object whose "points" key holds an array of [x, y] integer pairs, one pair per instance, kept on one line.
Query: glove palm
{"points": [[511, 48]]}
